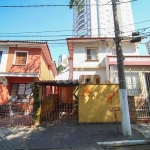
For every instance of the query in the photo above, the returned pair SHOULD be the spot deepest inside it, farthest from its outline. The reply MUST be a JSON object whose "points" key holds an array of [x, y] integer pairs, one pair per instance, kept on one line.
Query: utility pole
{"points": [[126, 126]]}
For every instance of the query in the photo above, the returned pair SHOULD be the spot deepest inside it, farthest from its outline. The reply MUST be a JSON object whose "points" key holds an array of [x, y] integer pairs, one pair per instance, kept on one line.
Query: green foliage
{"points": [[60, 68], [75, 3], [37, 102]]}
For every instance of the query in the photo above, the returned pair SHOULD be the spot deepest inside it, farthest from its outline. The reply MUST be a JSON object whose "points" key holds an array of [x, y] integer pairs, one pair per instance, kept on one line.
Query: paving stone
{"points": [[62, 136]]}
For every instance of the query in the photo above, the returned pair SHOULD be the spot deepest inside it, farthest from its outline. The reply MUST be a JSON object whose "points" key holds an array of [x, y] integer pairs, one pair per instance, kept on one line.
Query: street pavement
{"points": [[68, 136]]}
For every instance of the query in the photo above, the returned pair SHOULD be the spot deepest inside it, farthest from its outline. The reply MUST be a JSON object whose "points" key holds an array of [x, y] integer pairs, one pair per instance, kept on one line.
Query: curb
{"points": [[124, 143]]}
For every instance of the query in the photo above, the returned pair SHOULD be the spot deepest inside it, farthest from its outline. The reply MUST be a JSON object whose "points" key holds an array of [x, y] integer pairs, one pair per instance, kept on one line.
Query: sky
{"points": [[49, 20]]}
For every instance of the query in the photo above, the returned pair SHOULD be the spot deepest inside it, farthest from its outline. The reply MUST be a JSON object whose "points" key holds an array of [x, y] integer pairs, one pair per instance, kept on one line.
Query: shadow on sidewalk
{"points": [[72, 135]]}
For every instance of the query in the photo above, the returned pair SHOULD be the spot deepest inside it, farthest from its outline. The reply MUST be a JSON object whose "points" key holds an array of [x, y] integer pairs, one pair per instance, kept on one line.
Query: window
{"points": [[21, 58], [92, 54], [1, 56], [147, 79], [133, 83], [20, 90], [87, 80], [97, 80]]}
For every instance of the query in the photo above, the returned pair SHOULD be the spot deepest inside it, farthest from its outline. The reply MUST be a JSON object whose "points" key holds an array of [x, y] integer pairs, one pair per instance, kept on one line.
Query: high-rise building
{"points": [[62, 59], [95, 18], [148, 47]]}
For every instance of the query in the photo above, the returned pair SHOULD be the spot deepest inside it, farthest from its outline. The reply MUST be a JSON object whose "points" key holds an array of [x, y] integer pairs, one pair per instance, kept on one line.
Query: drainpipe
{"points": [[98, 17]]}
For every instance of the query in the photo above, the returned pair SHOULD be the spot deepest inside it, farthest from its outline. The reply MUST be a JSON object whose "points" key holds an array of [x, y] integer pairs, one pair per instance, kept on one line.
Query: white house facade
{"points": [[88, 57], [93, 61]]}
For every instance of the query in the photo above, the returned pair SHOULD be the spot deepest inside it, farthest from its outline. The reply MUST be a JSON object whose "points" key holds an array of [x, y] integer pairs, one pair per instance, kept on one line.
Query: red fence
{"points": [[17, 114]]}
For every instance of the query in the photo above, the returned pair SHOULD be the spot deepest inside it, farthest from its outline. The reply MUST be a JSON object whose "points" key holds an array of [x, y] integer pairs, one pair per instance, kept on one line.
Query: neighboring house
{"points": [[93, 61], [21, 63], [87, 60]]}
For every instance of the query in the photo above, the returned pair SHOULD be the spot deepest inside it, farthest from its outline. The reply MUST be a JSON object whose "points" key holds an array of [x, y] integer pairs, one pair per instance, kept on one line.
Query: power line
{"points": [[69, 30], [136, 30], [60, 5], [68, 35], [111, 47]]}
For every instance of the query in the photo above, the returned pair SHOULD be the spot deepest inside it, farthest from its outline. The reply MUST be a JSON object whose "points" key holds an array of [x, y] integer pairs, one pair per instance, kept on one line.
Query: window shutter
{"points": [[88, 54], [14, 89], [94, 56], [21, 58], [28, 89], [21, 89]]}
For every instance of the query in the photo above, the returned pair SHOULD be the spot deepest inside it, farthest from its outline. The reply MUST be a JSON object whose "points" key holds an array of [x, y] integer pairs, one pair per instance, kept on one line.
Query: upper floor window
{"points": [[92, 54], [20, 58], [1, 56]]}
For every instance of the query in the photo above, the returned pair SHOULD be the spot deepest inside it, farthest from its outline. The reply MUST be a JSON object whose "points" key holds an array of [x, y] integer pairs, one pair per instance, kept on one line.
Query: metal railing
{"points": [[138, 85], [143, 112], [14, 115]]}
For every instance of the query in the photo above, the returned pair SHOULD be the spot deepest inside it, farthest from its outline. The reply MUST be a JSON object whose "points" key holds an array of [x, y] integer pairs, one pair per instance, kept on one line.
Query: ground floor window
{"points": [[20, 91], [133, 83]]}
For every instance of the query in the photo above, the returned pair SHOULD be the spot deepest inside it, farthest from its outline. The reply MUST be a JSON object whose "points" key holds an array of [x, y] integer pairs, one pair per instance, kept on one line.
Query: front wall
{"points": [[104, 48], [94, 103], [5, 90], [3, 94], [33, 61], [45, 73]]}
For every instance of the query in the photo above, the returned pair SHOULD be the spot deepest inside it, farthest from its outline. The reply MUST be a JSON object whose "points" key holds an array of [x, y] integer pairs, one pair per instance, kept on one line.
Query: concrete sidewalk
{"points": [[143, 129], [67, 136]]}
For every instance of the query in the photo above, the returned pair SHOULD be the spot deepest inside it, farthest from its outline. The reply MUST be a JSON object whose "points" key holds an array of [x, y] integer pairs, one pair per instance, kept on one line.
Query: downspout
{"points": [[98, 17]]}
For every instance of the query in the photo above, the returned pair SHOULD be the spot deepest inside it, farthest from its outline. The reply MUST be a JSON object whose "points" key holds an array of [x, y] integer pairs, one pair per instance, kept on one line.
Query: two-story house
{"points": [[88, 57], [21, 62], [93, 61]]}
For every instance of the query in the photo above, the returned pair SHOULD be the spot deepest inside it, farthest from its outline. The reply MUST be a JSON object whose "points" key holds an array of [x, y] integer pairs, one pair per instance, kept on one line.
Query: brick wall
{"points": [[132, 109]]}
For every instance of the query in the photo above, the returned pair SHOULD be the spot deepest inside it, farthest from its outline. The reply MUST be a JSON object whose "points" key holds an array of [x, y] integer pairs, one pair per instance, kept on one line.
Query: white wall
{"points": [[104, 48], [125, 17], [94, 24], [83, 67], [3, 80], [129, 48], [63, 76], [4, 58]]}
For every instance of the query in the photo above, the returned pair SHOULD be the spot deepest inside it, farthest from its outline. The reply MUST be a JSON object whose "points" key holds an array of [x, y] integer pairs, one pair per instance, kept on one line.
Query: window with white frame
{"points": [[20, 58], [92, 54], [133, 83], [21, 91]]}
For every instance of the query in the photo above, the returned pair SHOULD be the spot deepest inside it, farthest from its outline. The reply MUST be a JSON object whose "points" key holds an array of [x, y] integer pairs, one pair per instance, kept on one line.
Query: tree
{"points": [[73, 3]]}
